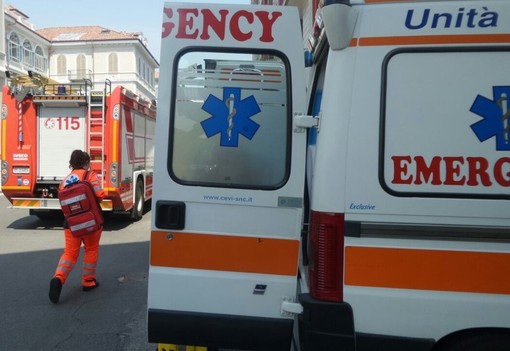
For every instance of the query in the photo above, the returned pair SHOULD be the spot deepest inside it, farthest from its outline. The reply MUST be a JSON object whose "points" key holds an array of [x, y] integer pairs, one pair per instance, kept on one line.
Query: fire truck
{"points": [[42, 126], [352, 198]]}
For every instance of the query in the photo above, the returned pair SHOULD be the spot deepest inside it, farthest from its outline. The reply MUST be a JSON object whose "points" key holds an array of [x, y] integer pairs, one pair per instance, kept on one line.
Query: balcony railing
{"points": [[79, 74]]}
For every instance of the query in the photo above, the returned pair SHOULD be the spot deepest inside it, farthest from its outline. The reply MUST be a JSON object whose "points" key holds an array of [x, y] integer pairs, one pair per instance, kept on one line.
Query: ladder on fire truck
{"points": [[96, 125]]}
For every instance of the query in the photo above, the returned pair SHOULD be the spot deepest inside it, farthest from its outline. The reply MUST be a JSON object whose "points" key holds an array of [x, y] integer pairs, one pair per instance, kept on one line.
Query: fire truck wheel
{"points": [[138, 206]]}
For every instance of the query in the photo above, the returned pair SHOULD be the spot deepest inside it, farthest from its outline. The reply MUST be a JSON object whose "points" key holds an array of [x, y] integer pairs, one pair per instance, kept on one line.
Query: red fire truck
{"points": [[41, 127]]}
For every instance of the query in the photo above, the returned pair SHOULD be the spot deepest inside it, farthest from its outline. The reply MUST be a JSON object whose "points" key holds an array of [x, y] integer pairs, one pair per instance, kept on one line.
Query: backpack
{"points": [[81, 208]]}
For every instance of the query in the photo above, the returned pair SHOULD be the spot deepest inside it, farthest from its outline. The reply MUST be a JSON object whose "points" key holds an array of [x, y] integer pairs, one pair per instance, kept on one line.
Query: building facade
{"points": [[23, 49], [99, 54], [72, 54]]}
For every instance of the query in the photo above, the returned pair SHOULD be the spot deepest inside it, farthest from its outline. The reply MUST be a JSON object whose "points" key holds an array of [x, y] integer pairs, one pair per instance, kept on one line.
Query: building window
{"points": [[113, 63], [14, 48], [61, 65], [28, 54], [41, 62], [81, 66]]}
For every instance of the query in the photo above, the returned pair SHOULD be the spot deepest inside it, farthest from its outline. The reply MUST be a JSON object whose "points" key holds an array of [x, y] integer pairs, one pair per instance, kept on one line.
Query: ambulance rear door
{"points": [[229, 174]]}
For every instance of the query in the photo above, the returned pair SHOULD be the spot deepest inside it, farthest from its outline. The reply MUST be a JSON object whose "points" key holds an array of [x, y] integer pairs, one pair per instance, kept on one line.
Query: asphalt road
{"points": [[111, 317]]}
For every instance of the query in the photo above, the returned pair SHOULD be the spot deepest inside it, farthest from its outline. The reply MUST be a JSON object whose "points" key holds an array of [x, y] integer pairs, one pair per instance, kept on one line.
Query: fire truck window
{"points": [[231, 120]]}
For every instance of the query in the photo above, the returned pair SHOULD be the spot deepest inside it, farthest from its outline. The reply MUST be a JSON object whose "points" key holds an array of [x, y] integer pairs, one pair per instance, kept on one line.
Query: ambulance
{"points": [[335, 180]]}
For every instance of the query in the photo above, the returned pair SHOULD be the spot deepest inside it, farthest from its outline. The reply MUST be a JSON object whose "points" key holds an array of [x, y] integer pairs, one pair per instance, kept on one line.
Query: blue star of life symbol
{"points": [[230, 117], [73, 178], [496, 117]]}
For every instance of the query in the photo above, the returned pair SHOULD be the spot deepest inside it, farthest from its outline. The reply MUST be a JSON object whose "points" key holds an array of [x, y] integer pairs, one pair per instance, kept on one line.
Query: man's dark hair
{"points": [[79, 159]]}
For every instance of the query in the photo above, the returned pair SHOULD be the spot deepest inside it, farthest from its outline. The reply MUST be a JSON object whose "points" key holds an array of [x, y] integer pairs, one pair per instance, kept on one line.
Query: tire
{"points": [[138, 206], [495, 340]]}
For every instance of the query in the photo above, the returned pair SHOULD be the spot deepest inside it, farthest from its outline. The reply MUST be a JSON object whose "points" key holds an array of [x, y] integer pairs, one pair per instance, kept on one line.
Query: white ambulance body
{"points": [[370, 212]]}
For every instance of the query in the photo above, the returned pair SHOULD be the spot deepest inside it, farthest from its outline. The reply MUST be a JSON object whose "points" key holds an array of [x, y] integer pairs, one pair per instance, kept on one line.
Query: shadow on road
{"points": [[113, 317], [34, 223], [113, 222]]}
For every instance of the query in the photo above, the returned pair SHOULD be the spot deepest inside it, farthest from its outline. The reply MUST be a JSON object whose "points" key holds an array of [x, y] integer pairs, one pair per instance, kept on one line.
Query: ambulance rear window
{"points": [[231, 120]]}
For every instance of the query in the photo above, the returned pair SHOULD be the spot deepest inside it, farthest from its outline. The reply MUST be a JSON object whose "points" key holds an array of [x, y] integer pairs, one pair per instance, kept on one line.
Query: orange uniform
{"points": [[73, 244]]}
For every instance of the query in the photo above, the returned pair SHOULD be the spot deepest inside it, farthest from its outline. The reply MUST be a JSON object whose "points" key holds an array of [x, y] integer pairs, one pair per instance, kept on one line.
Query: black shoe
{"points": [[55, 289], [88, 288]]}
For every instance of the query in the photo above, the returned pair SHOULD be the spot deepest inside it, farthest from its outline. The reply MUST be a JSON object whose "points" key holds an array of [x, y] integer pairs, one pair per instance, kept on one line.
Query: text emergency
{"points": [[192, 23], [451, 170]]}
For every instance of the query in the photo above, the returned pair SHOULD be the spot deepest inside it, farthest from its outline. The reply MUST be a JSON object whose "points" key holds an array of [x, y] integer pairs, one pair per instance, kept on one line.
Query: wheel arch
{"points": [[455, 340]]}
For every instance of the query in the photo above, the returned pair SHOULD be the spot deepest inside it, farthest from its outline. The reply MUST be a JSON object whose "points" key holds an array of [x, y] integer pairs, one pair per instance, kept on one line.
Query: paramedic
{"points": [[79, 165]]}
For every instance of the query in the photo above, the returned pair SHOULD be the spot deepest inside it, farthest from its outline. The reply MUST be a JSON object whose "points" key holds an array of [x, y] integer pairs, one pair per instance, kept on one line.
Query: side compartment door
{"points": [[229, 175]]}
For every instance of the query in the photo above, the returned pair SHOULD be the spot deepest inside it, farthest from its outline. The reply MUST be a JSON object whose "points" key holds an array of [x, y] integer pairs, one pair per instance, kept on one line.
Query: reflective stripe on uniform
{"points": [[65, 267], [83, 225], [89, 268]]}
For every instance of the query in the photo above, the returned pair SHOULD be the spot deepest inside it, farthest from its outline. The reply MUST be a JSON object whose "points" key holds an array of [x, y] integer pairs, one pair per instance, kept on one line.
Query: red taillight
{"points": [[326, 248]]}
